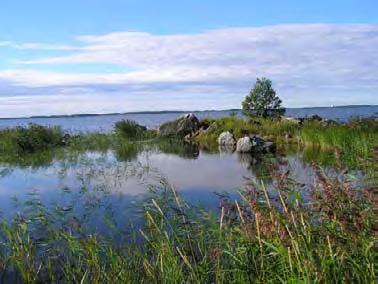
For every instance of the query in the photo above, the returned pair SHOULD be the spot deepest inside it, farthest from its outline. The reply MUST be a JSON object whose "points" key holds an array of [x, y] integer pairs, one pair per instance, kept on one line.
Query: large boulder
{"points": [[181, 127], [226, 139], [254, 144]]}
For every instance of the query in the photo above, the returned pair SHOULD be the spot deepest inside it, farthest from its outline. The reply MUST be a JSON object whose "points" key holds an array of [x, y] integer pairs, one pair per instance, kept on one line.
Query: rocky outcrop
{"points": [[226, 139], [181, 127], [254, 144]]}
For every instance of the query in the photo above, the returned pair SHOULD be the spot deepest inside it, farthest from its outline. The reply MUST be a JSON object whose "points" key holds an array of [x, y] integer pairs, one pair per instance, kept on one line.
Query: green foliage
{"points": [[131, 130], [31, 139], [262, 100], [354, 142], [266, 237], [274, 129]]}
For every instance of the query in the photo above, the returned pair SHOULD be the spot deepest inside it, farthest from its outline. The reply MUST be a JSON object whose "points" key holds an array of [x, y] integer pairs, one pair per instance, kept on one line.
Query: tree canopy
{"points": [[262, 100]]}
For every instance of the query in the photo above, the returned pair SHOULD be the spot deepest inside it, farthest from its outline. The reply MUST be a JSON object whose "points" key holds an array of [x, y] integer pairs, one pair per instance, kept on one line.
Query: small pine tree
{"points": [[262, 100]]}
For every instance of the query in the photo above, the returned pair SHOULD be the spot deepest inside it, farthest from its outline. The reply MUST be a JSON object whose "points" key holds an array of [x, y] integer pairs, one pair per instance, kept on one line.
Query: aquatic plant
{"points": [[266, 236], [353, 142], [30, 139], [131, 130]]}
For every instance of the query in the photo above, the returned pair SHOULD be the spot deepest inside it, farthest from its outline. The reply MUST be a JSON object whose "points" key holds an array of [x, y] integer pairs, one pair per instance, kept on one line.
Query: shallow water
{"points": [[105, 123], [102, 188]]}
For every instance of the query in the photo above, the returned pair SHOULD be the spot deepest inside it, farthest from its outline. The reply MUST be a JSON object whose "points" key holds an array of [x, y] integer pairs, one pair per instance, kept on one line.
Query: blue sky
{"points": [[75, 56]]}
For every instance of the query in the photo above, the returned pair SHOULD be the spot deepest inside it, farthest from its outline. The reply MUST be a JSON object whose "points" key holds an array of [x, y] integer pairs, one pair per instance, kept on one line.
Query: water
{"points": [[105, 123], [96, 185]]}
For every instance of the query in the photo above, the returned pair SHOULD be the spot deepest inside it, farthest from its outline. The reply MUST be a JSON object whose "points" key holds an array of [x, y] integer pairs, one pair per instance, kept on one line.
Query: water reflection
{"points": [[113, 180]]}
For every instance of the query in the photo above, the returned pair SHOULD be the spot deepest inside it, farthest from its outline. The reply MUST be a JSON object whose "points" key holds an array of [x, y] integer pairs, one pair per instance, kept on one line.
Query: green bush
{"points": [[31, 139], [130, 129]]}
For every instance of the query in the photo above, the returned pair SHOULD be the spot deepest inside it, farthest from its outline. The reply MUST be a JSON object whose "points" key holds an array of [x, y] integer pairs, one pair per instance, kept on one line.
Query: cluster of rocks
{"points": [[245, 144], [188, 125], [315, 117]]}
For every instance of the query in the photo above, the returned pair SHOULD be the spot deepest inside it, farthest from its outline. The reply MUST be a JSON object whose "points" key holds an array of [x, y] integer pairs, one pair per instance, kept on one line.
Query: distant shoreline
{"points": [[162, 112]]}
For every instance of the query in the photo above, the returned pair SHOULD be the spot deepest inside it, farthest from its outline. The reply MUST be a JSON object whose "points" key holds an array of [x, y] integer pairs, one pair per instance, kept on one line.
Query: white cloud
{"points": [[36, 46], [313, 64]]}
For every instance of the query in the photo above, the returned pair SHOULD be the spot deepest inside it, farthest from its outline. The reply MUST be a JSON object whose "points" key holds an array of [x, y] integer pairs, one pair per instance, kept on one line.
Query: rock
{"points": [[188, 137], [328, 122], [182, 126], [226, 138], [244, 145], [294, 120], [254, 144], [269, 147], [314, 117]]}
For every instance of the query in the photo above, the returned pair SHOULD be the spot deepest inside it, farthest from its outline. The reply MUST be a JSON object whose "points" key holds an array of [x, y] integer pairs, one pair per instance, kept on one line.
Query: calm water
{"points": [[104, 123], [104, 188], [101, 186]]}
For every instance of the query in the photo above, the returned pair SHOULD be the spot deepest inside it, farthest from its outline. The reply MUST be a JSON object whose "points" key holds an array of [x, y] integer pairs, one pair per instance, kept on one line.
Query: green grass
{"points": [[265, 237], [354, 141], [353, 144], [131, 130], [34, 138], [271, 129], [274, 236]]}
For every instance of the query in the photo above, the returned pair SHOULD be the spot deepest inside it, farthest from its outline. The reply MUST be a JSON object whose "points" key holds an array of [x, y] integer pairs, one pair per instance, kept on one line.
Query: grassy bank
{"points": [[265, 237], [353, 144]]}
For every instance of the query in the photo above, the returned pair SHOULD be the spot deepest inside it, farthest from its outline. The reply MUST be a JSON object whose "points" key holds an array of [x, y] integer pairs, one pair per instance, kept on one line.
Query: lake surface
{"points": [[107, 187], [103, 189], [105, 123]]}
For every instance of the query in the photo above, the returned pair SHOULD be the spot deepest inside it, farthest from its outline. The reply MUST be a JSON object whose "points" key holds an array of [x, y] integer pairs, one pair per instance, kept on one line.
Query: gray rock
{"points": [[294, 120], [181, 127], [226, 138], [244, 145], [254, 144], [269, 147]]}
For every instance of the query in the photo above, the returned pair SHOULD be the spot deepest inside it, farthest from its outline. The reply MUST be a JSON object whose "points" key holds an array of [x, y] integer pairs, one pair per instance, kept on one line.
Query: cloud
{"points": [[36, 46], [311, 64]]}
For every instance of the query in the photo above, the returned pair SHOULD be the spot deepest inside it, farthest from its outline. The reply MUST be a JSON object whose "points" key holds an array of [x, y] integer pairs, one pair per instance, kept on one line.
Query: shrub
{"points": [[31, 139], [129, 129]]}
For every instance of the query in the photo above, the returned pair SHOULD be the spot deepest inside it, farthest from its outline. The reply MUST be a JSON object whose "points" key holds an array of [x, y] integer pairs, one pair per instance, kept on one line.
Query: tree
{"points": [[262, 100]]}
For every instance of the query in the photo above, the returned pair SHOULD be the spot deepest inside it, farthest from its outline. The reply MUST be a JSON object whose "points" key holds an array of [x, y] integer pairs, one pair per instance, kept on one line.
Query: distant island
{"points": [[166, 111]]}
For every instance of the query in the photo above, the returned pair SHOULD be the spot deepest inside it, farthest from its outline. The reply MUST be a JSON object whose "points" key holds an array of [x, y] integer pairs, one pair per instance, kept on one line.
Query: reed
{"points": [[267, 236]]}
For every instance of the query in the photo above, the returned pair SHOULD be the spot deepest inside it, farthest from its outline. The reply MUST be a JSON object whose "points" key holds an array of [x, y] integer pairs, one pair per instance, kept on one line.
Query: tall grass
{"points": [[34, 138], [267, 236], [354, 142]]}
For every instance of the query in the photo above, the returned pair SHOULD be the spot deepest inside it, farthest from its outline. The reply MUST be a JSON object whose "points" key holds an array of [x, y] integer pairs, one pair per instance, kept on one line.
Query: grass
{"points": [[129, 129], [34, 138], [270, 129], [277, 235], [274, 236], [352, 143]]}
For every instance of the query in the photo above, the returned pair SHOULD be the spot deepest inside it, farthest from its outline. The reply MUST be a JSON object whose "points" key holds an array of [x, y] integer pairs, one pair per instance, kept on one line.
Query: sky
{"points": [[105, 56]]}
